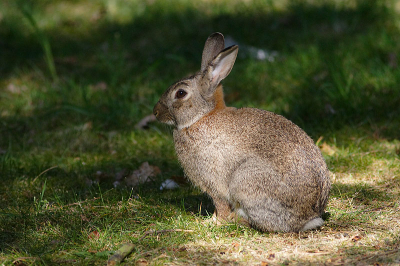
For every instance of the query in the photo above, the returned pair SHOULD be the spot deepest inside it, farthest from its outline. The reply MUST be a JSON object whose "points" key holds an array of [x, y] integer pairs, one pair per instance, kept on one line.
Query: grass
{"points": [[64, 140]]}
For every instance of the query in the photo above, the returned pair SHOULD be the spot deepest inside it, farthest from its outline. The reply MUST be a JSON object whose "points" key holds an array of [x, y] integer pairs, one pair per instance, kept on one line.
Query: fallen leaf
{"points": [[142, 262], [100, 86], [288, 242], [18, 263], [327, 149], [87, 126], [94, 235], [142, 175]]}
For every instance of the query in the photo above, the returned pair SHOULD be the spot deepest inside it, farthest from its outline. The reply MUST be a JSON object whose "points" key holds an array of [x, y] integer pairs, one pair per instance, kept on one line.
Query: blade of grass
{"points": [[26, 11]]}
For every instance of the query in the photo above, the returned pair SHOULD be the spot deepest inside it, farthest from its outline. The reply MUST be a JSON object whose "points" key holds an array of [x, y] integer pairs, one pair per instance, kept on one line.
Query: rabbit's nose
{"points": [[156, 111], [159, 110]]}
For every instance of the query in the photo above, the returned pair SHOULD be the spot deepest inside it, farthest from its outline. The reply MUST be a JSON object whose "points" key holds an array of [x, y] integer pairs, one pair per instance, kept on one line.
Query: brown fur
{"points": [[254, 164]]}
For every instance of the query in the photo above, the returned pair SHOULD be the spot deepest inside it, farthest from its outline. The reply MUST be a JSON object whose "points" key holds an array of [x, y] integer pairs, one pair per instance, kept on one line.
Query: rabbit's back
{"points": [[230, 132]]}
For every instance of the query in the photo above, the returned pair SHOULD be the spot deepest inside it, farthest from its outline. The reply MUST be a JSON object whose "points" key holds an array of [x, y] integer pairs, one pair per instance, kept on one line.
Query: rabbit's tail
{"points": [[314, 223]]}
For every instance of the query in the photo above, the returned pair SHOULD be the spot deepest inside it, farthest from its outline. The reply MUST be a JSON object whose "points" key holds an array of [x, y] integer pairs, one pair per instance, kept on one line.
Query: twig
{"points": [[80, 202], [44, 172], [52, 208], [24, 258], [120, 254], [150, 232], [371, 209], [370, 257]]}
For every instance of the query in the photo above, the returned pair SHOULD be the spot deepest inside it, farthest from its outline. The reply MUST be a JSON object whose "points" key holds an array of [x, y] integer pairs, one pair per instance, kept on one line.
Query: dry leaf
{"points": [[87, 126], [182, 249], [356, 238], [327, 149], [94, 235], [142, 175], [142, 262], [100, 86]]}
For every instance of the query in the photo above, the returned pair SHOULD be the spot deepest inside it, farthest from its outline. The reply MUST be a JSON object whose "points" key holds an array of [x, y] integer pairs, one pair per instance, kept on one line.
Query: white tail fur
{"points": [[314, 223]]}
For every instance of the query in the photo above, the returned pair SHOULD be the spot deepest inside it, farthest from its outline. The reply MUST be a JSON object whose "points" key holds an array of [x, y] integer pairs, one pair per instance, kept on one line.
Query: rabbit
{"points": [[257, 166]]}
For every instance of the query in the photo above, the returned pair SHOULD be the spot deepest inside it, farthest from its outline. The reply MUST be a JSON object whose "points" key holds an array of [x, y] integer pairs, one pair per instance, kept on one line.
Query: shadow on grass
{"points": [[360, 193]]}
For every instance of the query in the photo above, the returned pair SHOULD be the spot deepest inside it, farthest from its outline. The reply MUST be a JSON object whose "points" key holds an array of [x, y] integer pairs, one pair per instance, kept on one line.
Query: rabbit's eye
{"points": [[180, 94]]}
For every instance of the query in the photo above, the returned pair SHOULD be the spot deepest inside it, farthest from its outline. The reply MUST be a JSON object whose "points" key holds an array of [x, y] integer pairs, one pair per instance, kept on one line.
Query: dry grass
{"points": [[356, 233]]}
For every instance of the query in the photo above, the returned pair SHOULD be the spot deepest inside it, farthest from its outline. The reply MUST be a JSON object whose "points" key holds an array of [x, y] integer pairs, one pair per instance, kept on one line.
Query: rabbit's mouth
{"points": [[162, 114]]}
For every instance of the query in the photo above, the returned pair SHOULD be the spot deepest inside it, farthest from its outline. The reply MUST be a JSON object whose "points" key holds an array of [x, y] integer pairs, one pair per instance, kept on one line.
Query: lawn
{"points": [[76, 78]]}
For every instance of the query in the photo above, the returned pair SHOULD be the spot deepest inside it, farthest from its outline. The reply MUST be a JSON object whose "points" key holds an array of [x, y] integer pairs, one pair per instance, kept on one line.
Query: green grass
{"points": [[67, 132]]}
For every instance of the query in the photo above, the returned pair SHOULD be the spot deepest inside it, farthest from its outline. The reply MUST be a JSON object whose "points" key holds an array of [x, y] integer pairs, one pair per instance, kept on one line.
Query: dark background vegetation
{"points": [[343, 47]]}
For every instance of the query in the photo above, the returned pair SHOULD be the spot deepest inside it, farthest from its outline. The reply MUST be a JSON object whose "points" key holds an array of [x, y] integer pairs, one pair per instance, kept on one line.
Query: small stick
{"points": [[25, 258], [164, 231], [80, 202], [369, 257], [44, 172], [120, 254]]}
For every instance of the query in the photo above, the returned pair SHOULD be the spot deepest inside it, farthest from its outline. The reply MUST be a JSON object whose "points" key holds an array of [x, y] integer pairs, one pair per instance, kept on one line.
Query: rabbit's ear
{"points": [[222, 65], [214, 44]]}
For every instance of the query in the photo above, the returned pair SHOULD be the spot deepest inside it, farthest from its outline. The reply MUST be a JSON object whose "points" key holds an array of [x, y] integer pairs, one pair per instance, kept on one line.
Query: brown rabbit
{"points": [[252, 163]]}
